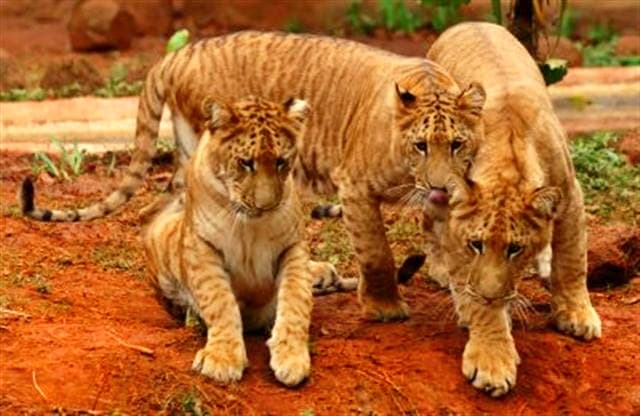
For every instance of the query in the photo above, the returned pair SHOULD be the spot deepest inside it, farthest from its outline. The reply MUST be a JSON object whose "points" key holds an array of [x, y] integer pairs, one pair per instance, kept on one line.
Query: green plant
{"points": [[20, 94], [307, 412], [117, 85], [395, 16], [71, 161], [71, 90], [445, 13], [192, 405], [567, 22], [600, 33], [293, 25], [608, 183], [358, 20]]}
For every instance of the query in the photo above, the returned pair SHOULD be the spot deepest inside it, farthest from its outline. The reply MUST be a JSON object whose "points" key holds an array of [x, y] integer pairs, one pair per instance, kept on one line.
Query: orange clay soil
{"points": [[83, 289]]}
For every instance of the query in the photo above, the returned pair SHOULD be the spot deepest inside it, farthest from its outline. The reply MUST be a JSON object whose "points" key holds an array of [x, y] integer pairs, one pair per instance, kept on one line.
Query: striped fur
{"points": [[234, 250], [371, 110], [520, 197]]}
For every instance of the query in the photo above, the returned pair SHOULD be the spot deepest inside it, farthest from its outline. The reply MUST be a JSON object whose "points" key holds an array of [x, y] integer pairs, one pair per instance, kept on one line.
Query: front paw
{"points": [[221, 363], [491, 367], [581, 322], [290, 360]]}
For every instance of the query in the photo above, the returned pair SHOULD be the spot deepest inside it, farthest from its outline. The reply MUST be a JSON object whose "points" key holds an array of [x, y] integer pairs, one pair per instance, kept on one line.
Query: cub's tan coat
{"points": [[235, 250], [521, 196], [374, 115]]}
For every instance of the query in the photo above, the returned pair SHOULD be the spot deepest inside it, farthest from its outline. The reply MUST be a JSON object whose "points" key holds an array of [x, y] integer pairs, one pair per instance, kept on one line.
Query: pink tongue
{"points": [[438, 196]]}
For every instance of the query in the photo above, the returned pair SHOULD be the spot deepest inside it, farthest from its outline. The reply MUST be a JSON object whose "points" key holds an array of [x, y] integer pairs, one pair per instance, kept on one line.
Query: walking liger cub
{"points": [[520, 197], [235, 252], [377, 119]]}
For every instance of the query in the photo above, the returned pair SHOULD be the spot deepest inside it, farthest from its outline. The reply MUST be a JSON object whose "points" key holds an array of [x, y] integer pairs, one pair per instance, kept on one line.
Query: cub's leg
{"points": [[224, 357], [490, 358], [327, 280], [186, 141], [288, 343], [570, 303], [377, 287], [434, 257]]}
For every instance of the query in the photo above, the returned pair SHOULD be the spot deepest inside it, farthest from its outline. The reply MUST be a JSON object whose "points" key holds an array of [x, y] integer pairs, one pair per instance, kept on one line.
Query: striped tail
{"points": [[326, 211], [150, 107]]}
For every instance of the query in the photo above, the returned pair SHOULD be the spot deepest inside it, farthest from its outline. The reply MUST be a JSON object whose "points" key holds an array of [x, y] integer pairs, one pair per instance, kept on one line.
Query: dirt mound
{"points": [[72, 71], [11, 74], [613, 255], [630, 146]]}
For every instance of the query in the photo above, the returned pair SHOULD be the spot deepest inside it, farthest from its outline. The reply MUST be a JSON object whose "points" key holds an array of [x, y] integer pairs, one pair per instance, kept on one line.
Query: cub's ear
{"points": [[297, 109], [217, 114], [472, 99], [407, 99], [545, 201]]}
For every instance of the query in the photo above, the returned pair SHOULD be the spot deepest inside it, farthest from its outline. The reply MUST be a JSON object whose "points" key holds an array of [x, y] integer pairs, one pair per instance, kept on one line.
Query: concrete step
{"points": [[588, 99]]}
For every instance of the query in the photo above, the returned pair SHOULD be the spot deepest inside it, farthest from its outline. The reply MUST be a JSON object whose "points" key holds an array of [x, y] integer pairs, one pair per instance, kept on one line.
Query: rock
{"points": [[153, 17], [628, 45], [563, 48], [11, 74], [100, 25], [629, 145], [70, 71], [613, 255]]}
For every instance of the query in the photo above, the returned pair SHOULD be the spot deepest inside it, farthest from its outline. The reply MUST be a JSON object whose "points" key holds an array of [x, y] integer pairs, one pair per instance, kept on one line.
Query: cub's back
{"points": [[489, 54]]}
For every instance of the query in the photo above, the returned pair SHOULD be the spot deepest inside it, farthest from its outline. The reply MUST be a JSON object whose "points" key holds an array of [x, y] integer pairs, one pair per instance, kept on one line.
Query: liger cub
{"points": [[234, 249], [521, 197], [374, 115]]}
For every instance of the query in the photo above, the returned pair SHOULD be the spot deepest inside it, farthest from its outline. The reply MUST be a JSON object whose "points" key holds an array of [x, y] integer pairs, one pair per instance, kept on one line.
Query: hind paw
{"points": [[327, 280]]}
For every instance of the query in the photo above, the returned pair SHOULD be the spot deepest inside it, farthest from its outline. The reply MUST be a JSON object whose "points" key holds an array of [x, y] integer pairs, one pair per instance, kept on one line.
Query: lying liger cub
{"points": [[521, 196], [235, 251]]}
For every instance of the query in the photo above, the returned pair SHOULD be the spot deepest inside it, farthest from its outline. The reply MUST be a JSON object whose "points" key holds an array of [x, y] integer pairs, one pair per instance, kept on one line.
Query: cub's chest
{"points": [[251, 256]]}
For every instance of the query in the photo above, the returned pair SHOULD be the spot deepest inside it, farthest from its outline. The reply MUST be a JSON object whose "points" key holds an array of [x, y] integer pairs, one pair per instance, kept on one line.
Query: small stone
{"points": [[100, 25]]}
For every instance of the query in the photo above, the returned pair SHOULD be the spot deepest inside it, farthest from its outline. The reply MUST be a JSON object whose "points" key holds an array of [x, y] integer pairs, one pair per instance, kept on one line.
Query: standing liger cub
{"points": [[521, 196], [375, 115], [235, 250]]}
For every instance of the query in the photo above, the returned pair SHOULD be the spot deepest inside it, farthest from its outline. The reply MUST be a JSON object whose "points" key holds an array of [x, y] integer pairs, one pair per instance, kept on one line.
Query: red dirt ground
{"points": [[83, 286]]}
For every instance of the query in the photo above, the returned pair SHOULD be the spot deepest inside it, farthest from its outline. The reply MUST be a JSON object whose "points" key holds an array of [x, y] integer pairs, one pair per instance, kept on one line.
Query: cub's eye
{"points": [[456, 144], [513, 250], [247, 164], [476, 246], [281, 163], [421, 147]]}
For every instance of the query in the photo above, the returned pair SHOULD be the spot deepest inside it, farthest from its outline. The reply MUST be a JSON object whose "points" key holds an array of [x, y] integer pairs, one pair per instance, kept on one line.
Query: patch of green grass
{"points": [[307, 412], [185, 403], [41, 284], [293, 25], [117, 85], [567, 23], [600, 33], [358, 20], [335, 246], [611, 187], [20, 94], [11, 211], [444, 13], [396, 17], [110, 258], [71, 161]]}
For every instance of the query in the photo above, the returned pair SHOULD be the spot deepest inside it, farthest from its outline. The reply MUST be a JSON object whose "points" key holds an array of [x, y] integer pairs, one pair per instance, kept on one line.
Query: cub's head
{"points": [[254, 148], [493, 234], [440, 129]]}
